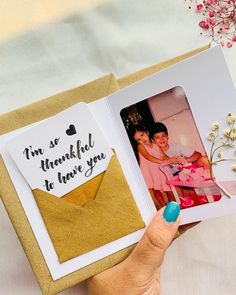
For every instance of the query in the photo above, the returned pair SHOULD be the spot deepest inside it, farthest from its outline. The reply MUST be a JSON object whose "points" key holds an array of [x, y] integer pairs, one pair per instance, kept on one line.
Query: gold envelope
{"points": [[92, 215], [41, 110]]}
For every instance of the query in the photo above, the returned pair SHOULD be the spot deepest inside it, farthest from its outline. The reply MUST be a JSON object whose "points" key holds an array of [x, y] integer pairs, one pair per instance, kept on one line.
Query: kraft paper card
{"points": [[40, 111]]}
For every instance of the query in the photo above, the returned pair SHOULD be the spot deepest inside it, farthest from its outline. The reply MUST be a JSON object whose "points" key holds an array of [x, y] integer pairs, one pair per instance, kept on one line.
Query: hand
{"points": [[140, 272], [178, 160], [182, 160], [172, 160]]}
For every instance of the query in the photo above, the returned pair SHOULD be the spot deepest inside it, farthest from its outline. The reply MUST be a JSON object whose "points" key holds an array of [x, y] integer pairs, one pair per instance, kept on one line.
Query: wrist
{"points": [[186, 159]]}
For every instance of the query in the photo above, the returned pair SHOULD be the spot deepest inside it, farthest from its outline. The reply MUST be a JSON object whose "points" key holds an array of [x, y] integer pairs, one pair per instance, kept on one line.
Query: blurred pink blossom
{"points": [[218, 19]]}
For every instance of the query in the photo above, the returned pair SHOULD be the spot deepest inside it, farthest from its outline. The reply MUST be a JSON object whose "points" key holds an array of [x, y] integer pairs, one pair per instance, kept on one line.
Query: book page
{"points": [[103, 115], [186, 99]]}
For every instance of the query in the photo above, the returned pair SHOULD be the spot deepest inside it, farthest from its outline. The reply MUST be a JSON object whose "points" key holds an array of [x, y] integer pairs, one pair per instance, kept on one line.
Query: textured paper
{"points": [[106, 212], [41, 110]]}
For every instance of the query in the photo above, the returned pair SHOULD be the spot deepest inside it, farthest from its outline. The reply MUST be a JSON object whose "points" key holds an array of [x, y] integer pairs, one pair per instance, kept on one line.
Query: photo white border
{"points": [[203, 76]]}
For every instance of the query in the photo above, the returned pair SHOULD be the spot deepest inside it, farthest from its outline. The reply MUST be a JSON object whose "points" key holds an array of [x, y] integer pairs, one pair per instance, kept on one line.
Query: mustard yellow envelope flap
{"points": [[100, 211]]}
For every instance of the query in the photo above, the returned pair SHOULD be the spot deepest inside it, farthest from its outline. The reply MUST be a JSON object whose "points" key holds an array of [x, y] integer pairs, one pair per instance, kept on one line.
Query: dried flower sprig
{"points": [[218, 20], [221, 142]]}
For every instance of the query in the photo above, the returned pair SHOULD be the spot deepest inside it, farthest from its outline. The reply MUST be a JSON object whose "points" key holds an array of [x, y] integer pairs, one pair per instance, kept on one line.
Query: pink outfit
{"points": [[154, 178]]}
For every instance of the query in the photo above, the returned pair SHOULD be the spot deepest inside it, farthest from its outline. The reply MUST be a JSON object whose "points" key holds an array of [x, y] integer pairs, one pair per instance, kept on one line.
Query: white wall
{"points": [[171, 108]]}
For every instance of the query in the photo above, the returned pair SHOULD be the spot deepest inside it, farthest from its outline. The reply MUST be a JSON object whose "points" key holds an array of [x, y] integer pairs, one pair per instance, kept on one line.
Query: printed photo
{"points": [[169, 150]]}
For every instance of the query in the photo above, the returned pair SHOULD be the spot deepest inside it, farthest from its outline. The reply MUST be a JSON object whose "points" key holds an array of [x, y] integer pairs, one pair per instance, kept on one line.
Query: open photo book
{"points": [[91, 177]]}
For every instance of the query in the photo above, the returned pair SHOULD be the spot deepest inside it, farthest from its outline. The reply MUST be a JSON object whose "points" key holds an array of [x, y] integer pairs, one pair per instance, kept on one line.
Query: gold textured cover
{"points": [[92, 215]]}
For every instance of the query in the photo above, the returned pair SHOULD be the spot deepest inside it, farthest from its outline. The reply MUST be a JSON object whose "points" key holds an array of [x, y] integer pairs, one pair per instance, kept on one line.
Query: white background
{"points": [[119, 37]]}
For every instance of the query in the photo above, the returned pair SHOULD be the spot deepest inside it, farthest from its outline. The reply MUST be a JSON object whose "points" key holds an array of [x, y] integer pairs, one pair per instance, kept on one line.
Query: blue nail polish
{"points": [[171, 212]]}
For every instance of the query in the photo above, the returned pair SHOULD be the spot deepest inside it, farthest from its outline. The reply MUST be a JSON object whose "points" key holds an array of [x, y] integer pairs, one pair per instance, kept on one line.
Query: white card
{"points": [[61, 153], [190, 88]]}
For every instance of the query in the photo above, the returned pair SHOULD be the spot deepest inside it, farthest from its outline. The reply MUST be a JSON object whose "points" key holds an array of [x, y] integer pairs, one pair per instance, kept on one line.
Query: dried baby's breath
{"points": [[220, 141]]}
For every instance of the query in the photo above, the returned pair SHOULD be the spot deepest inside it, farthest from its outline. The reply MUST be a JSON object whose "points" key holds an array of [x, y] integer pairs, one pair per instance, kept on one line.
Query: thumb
{"points": [[149, 253]]}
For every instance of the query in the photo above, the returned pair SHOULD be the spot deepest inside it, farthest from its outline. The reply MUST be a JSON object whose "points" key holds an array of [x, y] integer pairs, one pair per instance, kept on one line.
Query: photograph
{"points": [[169, 150]]}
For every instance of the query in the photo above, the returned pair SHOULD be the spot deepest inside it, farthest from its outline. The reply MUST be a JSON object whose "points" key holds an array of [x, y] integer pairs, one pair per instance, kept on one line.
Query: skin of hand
{"points": [[182, 160], [139, 273], [172, 160], [194, 157]]}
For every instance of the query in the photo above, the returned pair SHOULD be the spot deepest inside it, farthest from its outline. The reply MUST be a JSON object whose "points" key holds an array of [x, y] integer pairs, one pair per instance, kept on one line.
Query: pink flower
{"points": [[199, 7], [232, 14], [203, 25], [218, 20], [211, 13], [211, 21]]}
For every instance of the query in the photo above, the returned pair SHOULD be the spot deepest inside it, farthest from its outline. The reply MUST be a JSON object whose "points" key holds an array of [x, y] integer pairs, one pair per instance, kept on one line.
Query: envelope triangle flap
{"points": [[87, 191], [102, 222], [113, 180], [111, 215], [59, 216]]}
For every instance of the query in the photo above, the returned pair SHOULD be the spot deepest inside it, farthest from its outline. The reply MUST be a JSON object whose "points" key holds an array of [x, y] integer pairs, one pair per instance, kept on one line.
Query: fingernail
{"points": [[171, 212]]}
